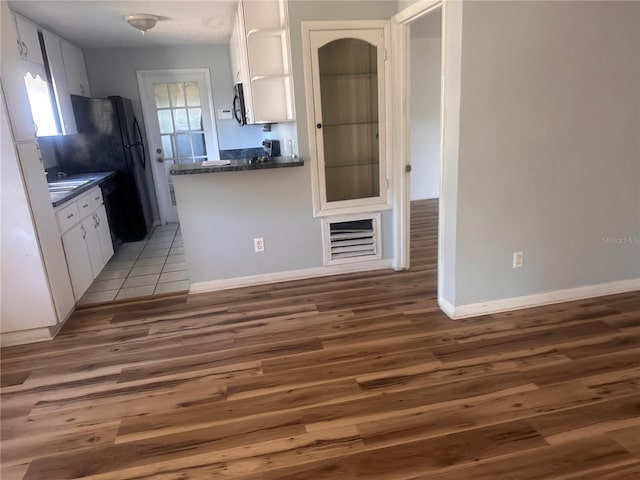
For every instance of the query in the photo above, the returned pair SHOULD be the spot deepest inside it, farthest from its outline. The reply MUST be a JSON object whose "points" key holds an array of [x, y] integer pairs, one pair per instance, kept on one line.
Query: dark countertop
{"points": [[236, 166], [90, 180]]}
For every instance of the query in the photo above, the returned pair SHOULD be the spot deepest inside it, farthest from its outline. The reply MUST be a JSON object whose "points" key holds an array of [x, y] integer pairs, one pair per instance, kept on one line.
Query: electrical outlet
{"points": [[518, 258], [258, 244]]}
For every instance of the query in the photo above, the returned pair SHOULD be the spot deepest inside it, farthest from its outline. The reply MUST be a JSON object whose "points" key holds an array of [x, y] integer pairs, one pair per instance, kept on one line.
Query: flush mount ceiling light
{"points": [[142, 21]]}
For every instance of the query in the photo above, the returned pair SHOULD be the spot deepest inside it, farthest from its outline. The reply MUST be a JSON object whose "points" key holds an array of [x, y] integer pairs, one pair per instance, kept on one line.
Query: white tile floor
{"points": [[151, 266]]}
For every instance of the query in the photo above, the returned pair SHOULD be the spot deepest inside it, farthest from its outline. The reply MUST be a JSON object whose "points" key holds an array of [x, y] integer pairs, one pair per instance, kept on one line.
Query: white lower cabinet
{"points": [[86, 238], [104, 233], [93, 245], [78, 261]]}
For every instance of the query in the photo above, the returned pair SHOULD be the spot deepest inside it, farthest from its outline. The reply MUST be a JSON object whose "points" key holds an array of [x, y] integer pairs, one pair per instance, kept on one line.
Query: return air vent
{"points": [[351, 239]]}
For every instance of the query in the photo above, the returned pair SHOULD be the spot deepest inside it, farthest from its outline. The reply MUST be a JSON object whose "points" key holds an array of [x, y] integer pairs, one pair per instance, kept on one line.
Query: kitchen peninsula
{"points": [[224, 209]]}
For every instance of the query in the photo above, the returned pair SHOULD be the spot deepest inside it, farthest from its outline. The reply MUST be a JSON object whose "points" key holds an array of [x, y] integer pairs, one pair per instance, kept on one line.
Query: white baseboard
{"points": [[446, 307], [538, 300], [265, 278], [8, 339]]}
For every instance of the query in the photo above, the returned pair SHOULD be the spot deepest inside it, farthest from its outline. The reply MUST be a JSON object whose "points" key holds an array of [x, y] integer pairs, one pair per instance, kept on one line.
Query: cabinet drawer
{"points": [[84, 205], [68, 216], [96, 199]]}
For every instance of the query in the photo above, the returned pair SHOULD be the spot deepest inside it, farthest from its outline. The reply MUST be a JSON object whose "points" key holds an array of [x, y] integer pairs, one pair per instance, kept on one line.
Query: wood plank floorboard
{"points": [[345, 377]]}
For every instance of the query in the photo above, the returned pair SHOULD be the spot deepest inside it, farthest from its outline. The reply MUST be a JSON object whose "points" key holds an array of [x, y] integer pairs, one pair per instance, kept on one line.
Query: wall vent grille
{"points": [[351, 239]]}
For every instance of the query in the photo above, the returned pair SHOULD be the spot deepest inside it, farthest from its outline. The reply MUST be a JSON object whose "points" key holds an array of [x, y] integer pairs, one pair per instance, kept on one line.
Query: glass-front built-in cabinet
{"points": [[346, 95]]}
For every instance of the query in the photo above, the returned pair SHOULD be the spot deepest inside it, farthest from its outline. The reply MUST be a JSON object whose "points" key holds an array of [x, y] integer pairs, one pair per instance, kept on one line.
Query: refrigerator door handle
{"points": [[141, 143]]}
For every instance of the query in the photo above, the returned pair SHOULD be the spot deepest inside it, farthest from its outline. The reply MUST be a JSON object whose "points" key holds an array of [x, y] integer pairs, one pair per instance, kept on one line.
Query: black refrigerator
{"points": [[109, 138]]}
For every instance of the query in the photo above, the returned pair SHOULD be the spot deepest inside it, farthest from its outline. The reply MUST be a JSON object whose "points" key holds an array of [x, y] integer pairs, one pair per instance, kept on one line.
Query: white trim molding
{"points": [[400, 135], [265, 278], [446, 307], [22, 337], [538, 299]]}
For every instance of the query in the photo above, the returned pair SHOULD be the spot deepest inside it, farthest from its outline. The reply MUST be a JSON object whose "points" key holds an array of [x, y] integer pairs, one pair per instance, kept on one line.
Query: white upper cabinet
{"points": [[27, 41], [346, 90], [235, 52], [14, 69], [260, 60], [53, 49], [75, 68]]}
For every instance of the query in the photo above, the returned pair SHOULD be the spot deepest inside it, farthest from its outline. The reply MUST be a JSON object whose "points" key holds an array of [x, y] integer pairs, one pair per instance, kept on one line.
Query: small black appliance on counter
{"points": [[271, 148]]}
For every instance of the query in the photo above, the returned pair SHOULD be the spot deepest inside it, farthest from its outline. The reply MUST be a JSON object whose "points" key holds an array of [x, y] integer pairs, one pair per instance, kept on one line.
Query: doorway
{"points": [[178, 115], [425, 101], [418, 81], [424, 149]]}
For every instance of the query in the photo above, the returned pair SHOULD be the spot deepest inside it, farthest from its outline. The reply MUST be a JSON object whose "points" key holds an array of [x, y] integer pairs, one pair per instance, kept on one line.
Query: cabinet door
{"points": [[75, 249], [13, 72], [75, 68], [348, 77], [104, 234], [61, 90], [93, 244], [28, 42], [234, 53]]}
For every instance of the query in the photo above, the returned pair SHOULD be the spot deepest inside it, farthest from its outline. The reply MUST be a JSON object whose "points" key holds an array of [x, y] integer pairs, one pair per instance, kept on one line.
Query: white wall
{"points": [[548, 160], [426, 47]]}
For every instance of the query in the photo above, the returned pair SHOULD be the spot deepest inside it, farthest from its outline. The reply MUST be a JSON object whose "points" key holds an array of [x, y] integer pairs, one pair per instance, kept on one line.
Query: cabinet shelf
{"points": [[266, 32], [348, 74], [278, 76], [354, 164], [347, 124]]}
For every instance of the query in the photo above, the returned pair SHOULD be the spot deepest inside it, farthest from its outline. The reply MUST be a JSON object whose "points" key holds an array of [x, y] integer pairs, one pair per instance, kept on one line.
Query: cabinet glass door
{"points": [[347, 71], [349, 91]]}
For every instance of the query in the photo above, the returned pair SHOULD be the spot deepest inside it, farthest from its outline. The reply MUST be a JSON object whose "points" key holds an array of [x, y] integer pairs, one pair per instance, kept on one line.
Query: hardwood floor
{"points": [[355, 376]]}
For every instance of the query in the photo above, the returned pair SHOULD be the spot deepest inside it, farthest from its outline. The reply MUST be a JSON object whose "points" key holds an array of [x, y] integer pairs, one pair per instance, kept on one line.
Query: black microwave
{"points": [[239, 111]]}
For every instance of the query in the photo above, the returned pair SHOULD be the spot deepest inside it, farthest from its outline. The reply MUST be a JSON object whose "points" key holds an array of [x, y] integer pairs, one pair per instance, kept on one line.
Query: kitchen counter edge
{"points": [[236, 166], [97, 179]]}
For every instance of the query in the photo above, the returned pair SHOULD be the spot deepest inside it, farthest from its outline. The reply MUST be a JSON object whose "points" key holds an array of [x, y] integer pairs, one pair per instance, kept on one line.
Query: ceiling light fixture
{"points": [[142, 21]]}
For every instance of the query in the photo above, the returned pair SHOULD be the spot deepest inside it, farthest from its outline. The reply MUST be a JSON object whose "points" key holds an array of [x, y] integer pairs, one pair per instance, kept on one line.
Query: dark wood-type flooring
{"points": [[348, 377]]}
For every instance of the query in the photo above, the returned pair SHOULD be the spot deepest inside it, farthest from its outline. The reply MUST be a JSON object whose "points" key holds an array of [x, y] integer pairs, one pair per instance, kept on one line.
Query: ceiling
{"points": [[100, 23]]}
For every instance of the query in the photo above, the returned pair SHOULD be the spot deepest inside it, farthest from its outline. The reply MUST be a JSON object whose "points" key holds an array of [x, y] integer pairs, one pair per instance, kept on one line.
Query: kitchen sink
{"points": [[65, 188], [68, 183], [60, 189]]}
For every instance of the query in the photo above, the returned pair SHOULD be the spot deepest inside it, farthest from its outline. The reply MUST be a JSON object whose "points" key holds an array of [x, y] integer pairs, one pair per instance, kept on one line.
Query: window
{"points": [[180, 119], [42, 110]]}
